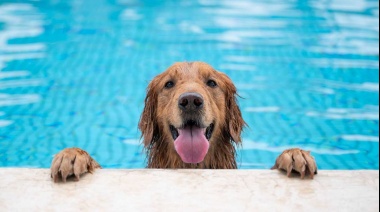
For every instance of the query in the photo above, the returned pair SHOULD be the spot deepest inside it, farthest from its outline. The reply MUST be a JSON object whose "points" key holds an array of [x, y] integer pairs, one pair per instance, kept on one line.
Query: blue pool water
{"points": [[74, 73]]}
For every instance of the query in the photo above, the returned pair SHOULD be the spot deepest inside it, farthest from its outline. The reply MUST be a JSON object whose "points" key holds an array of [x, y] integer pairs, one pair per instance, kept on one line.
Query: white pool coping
{"points": [[24, 189]]}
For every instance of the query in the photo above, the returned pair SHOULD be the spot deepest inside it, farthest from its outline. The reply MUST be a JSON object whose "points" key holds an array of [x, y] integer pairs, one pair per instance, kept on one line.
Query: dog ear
{"points": [[234, 117], [148, 120]]}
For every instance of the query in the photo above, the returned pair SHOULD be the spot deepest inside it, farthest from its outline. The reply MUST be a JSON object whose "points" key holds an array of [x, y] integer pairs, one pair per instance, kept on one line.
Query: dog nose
{"points": [[190, 102]]}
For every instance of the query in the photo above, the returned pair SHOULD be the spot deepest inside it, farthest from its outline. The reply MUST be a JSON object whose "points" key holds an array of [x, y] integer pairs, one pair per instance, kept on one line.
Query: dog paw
{"points": [[297, 160], [72, 161]]}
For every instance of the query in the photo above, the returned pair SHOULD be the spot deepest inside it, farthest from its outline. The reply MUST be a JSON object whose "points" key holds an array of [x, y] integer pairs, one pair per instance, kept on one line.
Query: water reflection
{"points": [[326, 150], [366, 113], [19, 21]]}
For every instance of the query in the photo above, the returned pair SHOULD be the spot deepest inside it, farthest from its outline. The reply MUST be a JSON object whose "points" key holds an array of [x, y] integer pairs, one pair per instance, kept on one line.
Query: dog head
{"points": [[191, 108]]}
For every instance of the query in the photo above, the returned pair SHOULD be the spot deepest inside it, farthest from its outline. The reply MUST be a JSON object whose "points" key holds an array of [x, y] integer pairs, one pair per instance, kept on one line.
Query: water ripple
{"points": [[253, 145], [16, 26], [13, 74], [74, 74], [10, 100], [365, 86], [4, 123], [365, 138], [367, 113], [263, 109]]}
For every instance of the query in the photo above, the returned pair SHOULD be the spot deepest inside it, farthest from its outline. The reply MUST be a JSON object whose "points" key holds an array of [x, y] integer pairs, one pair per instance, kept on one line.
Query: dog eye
{"points": [[169, 84], [211, 83]]}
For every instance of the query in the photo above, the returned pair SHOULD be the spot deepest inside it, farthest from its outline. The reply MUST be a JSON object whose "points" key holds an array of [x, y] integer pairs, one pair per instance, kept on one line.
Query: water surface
{"points": [[74, 73]]}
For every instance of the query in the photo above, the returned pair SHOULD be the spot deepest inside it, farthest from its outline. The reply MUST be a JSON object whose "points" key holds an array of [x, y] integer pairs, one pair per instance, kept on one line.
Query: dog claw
{"points": [[296, 160], [72, 161]]}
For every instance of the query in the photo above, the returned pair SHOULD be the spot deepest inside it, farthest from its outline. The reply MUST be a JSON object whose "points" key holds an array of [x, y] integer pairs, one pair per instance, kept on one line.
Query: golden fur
{"points": [[161, 107], [162, 110]]}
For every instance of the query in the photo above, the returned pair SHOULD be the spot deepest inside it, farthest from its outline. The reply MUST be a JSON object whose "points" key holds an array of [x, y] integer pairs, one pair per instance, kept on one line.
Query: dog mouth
{"points": [[191, 141], [192, 124]]}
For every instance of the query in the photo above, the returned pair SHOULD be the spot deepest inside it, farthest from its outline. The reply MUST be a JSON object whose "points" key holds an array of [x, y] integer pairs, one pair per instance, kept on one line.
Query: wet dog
{"points": [[191, 119]]}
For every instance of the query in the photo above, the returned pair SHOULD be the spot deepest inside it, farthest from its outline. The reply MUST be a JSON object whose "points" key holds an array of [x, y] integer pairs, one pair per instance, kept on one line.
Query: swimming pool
{"points": [[74, 73]]}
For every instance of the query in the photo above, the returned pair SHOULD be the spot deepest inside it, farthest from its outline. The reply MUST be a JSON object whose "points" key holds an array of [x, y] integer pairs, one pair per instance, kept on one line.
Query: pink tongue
{"points": [[191, 144]]}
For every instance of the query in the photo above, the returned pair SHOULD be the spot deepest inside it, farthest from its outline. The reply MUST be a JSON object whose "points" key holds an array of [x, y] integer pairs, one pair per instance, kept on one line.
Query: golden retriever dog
{"points": [[191, 119]]}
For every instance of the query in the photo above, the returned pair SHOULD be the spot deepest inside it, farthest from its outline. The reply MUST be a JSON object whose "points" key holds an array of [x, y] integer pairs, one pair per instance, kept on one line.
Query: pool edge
{"points": [[199, 190]]}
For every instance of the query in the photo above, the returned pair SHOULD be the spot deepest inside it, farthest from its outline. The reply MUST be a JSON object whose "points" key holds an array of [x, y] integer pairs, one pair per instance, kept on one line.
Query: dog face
{"points": [[192, 108]]}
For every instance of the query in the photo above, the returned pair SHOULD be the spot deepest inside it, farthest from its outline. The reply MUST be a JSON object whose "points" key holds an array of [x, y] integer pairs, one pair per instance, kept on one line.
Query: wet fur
{"points": [[161, 107]]}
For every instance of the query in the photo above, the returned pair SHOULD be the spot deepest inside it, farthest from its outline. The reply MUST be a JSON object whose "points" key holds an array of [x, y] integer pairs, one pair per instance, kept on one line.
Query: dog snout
{"points": [[189, 102]]}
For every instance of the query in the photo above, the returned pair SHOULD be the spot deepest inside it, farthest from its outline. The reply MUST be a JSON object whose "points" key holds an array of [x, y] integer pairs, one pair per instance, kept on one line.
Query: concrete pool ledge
{"points": [[24, 189]]}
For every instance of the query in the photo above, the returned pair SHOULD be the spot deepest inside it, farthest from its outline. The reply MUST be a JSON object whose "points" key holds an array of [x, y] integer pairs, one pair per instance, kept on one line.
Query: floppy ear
{"points": [[234, 118], [148, 120]]}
